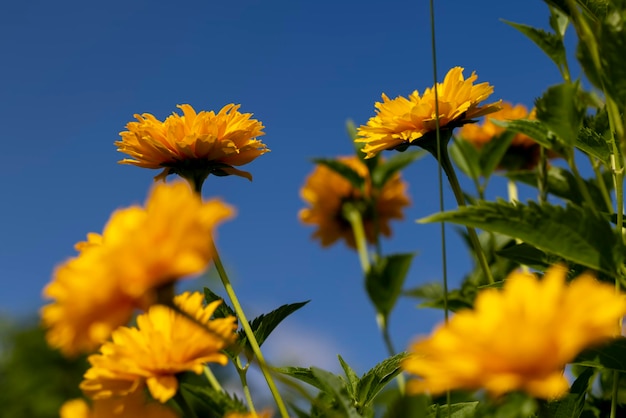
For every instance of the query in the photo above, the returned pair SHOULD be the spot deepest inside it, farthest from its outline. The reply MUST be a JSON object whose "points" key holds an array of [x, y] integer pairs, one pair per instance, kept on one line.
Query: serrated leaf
{"points": [[609, 356], [372, 382], [466, 157], [558, 108], [352, 377], [571, 232], [223, 310], [558, 21], [335, 386], [263, 325], [535, 129], [343, 170], [210, 403], [550, 43], [493, 151], [561, 183], [592, 143], [385, 279], [525, 254], [455, 410], [382, 173], [572, 404], [304, 374]]}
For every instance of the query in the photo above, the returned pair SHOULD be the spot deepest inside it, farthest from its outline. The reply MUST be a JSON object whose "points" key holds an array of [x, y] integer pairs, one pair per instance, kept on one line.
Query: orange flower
{"points": [[194, 144], [402, 121], [326, 192], [117, 272], [518, 338]]}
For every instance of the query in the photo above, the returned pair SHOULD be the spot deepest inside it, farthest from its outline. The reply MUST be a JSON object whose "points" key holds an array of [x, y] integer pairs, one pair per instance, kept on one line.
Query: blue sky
{"points": [[74, 73]]}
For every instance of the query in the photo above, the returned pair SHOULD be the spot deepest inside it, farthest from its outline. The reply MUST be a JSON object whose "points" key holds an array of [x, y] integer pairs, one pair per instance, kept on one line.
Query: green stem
{"points": [[242, 372], [353, 216], [595, 163], [249, 333], [215, 384], [446, 164], [542, 176], [381, 320]]}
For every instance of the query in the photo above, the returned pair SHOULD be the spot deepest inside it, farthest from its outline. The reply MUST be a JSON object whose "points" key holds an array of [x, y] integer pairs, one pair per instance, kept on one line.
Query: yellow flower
{"points": [[163, 344], [194, 142], [402, 121], [264, 414], [326, 192], [523, 151], [132, 406], [518, 338], [139, 250]]}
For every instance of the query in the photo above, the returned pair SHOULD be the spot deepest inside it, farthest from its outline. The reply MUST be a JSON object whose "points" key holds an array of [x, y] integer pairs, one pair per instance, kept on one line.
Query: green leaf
{"points": [[385, 279], [304, 374], [455, 410], [558, 21], [335, 387], [210, 403], [432, 294], [466, 157], [572, 404], [535, 129], [343, 170], [527, 255], [560, 183], [594, 135], [384, 171], [223, 310], [571, 232], [550, 43], [263, 325], [560, 111], [352, 377], [609, 356], [493, 151], [372, 382]]}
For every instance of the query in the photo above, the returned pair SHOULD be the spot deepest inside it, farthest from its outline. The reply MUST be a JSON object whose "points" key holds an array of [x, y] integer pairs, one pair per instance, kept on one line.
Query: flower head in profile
{"points": [[523, 152], [194, 144], [131, 406], [164, 344], [518, 338], [118, 271], [326, 192], [402, 121]]}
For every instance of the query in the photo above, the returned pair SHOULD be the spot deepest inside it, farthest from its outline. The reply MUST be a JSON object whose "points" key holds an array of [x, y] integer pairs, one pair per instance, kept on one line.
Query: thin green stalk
{"points": [[460, 199], [384, 328], [249, 333], [595, 163], [215, 384], [196, 182], [581, 183], [353, 216], [542, 176], [242, 372], [440, 178]]}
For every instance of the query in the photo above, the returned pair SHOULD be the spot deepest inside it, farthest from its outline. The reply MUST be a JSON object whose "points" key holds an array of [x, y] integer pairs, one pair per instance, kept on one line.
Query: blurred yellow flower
{"points": [[402, 121], [203, 142], [264, 414], [523, 151], [326, 192], [132, 406], [518, 338], [139, 250], [164, 344]]}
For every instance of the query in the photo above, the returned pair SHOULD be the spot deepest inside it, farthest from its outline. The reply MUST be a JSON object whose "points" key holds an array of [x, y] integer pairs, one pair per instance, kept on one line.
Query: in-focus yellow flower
{"points": [[523, 153], [402, 121], [190, 143], [139, 250], [132, 406], [164, 344], [518, 338], [326, 192]]}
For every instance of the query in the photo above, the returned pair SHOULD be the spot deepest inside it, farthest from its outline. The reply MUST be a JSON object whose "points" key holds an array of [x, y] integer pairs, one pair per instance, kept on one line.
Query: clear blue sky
{"points": [[74, 73]]}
